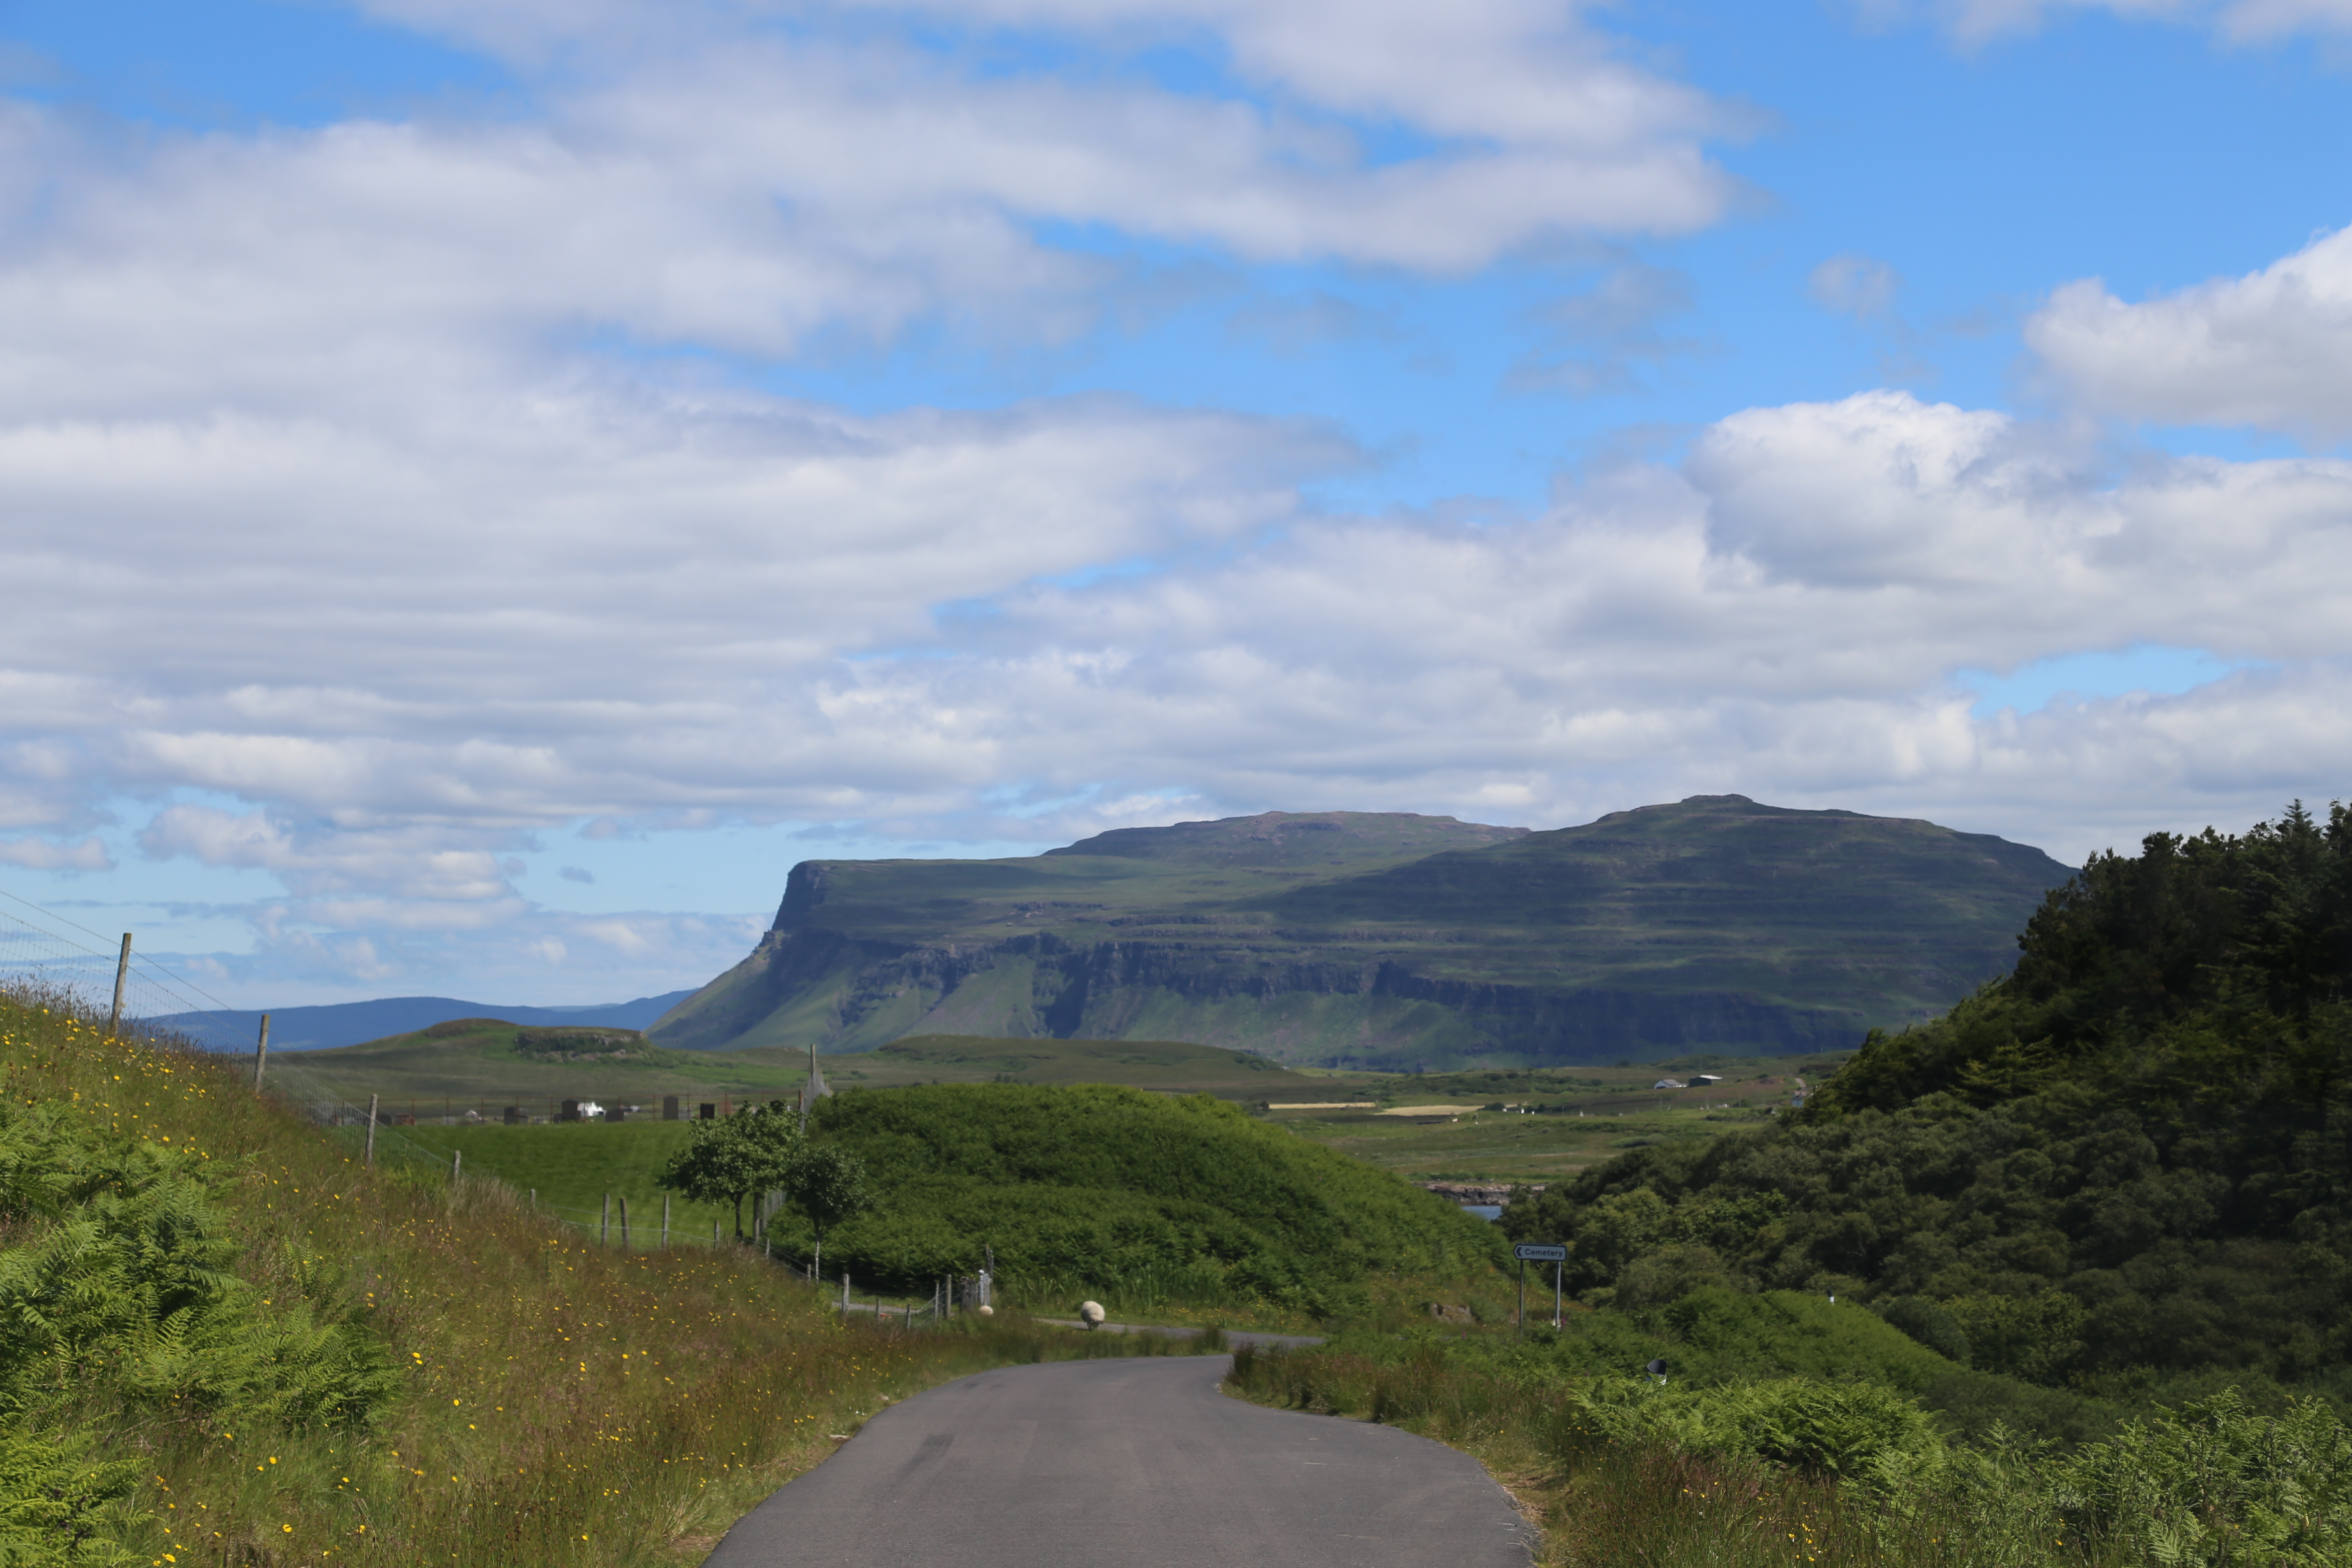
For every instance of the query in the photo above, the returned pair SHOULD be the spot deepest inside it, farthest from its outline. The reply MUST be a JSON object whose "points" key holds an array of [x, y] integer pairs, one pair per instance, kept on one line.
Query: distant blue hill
{"points": [[353, 1023]]}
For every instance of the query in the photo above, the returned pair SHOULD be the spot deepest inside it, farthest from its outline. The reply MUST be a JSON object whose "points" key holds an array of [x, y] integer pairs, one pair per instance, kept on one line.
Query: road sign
{"points": [[1537, 1252]]}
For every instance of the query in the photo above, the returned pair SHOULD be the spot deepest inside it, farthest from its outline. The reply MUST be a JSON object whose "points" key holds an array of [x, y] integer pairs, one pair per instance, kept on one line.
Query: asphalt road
{"points": [[1129, 1464]]}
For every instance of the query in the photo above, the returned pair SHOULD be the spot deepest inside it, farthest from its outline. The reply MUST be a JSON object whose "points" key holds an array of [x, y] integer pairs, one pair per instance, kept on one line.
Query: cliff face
{"points": [[1396, 941]]}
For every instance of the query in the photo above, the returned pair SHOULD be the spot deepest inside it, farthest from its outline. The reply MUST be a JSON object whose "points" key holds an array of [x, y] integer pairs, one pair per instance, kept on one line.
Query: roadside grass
{"points": [[1599, 1504], [1776, 1474], [555, 1402]]}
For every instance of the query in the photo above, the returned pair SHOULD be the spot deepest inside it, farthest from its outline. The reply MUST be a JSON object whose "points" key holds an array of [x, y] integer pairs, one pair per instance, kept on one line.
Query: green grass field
{"points": [[1578, 1117], [572, 1168], [1559, 1121], [435, 1077]]}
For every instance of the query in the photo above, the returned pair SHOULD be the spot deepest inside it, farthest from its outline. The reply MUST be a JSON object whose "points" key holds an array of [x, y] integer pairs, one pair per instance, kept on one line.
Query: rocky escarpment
{"points": [[1392, 941]]}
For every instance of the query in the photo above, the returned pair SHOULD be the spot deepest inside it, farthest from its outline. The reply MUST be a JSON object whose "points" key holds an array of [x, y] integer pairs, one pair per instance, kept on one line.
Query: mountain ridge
{"points": [[1387, 939], [330, 1025]]}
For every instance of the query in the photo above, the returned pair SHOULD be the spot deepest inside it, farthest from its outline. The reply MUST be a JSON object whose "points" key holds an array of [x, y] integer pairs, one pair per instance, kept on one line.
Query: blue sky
{"points": [[496, 484]]}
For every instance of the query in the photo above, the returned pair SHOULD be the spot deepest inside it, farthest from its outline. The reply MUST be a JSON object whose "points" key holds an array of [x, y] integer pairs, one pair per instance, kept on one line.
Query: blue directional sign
{"points": [[1537, 1252]]}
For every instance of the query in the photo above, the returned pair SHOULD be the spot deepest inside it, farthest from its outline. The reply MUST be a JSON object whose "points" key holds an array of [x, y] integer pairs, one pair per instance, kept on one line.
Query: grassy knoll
{"points": [[1095, 1190], [223, 1341], [480, 1064]]}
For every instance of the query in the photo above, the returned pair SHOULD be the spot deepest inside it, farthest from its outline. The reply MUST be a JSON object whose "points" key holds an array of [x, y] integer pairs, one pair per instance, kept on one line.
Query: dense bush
{"points": [[2134, 1152], [1101, 1185], [119, 1291], [1845, 1428]]}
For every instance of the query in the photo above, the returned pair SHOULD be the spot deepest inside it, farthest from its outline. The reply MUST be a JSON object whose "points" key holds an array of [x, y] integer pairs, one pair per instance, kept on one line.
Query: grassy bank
{"points": [[1780, 1473], [1098, 1188], [223, 1341]]}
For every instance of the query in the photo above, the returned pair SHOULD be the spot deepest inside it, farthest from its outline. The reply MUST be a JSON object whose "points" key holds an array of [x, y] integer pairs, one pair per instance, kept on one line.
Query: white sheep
{"points": [[1090, 1313]]}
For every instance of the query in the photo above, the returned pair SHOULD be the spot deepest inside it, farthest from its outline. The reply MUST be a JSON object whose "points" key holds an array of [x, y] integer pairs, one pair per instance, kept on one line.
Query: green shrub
{"points": [[1094, 1187], [123, 1278], [2216, 1484], [1930, 1324], [58, 1510], [1850, 1429]]}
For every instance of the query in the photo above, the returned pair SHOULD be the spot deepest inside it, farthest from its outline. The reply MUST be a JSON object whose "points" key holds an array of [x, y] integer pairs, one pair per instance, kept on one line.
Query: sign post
{"points": [[1529, 1252]]}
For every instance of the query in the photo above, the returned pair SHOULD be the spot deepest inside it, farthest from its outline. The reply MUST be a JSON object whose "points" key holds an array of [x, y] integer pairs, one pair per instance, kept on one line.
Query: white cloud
{"points": [[45, 854], [1527, 107], [2273, 18], [327, 493], [2272, 349], [749, 190], [1798, 594], [2242, 20]]}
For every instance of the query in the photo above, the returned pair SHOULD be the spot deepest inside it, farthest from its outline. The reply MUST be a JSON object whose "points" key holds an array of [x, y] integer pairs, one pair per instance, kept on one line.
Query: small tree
{"points": [[728, 1160], [828, 1186]]}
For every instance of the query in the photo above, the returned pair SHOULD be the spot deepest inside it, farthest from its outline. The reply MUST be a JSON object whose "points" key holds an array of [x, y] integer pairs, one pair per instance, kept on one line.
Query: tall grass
{"points": [[2209, 1486], [555, 1402]]}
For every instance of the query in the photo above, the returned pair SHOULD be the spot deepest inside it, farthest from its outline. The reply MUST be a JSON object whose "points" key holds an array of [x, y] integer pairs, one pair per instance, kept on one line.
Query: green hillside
{"points": [[1397, 941], [483, 1065], [2131, 1159], [486, 1063], [223, 1339], [1100, 1188]]}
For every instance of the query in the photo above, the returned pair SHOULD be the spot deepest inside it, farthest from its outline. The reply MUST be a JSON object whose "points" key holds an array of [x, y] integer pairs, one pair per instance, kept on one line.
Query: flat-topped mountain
{"points": [[1388, 940]]}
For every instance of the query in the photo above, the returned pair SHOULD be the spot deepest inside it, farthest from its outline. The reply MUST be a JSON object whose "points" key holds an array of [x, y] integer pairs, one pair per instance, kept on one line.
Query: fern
{"points": [[123, 1290]]}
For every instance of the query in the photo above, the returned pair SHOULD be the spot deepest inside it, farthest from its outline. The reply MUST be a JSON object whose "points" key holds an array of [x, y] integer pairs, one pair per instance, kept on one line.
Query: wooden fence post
{"points": [[625, 1222], [121, 973], [605, 1225], [261, 1053], [665, 1222], [368, 1158]]}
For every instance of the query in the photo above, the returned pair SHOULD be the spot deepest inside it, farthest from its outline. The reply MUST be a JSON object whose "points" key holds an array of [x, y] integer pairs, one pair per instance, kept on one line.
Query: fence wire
{"points": [[42, 950], [48, 959]]}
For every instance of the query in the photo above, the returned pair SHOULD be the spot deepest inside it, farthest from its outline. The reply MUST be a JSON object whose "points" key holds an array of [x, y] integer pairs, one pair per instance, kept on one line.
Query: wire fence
{"points": [[47, 960], [106, 976]]}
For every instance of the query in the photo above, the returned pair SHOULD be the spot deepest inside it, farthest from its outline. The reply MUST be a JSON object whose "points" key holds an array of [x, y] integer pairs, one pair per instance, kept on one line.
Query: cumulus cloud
{"points": [[2272, 349], [364, 531], [873, 621]]}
